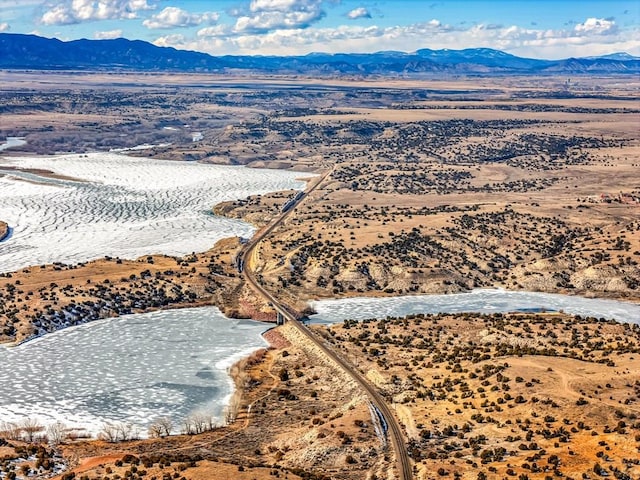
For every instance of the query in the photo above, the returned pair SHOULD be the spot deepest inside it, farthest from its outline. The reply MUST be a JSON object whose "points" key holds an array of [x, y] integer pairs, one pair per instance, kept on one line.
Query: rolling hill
{"points": [[19, 51]]}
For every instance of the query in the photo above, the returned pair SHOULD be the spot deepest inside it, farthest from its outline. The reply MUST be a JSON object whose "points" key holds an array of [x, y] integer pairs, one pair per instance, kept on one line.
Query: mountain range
{"points": [[32, 52]]}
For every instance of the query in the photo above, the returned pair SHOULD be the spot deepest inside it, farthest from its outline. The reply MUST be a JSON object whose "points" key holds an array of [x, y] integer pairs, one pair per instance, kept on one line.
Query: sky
{"points": [[550, 29]]}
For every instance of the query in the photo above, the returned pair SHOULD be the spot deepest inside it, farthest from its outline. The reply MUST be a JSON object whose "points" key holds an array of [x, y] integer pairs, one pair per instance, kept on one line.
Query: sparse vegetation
{"points": [[475, 390]]}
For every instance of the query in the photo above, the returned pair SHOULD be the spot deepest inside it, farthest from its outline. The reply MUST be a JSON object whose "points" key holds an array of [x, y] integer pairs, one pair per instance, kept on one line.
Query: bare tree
{"points": [[212, 424], [167, 425], [232, 409], [155, 430], [127, 431], [108, 433], [10, 430], [57, 433], [30, 427], [187, 426], [200, 421], [161, 427], [118, 432]]}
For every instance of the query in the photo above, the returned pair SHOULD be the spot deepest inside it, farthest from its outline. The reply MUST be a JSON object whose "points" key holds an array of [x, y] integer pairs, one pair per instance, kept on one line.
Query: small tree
{"points": [[161, 427], [187, 426], [108, 433], [167, 425], [127, 431], [231, 410], [598, 470], [199, 421], [30, 427], [118, 432], [10, 431], [57, 433]]}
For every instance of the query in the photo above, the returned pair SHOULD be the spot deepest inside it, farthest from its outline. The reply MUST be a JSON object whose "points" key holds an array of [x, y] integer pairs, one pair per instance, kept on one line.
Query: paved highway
{"points": [[397, 438]]}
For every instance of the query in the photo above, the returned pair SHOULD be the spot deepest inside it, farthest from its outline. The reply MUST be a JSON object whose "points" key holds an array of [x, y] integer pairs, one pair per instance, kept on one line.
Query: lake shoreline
{"points": [[207, 351], [228, 303], [239, 371], [231, 311]]}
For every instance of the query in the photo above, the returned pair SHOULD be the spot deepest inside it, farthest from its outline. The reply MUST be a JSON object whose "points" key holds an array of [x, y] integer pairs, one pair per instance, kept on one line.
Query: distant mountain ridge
{"points": [[32, 52]]}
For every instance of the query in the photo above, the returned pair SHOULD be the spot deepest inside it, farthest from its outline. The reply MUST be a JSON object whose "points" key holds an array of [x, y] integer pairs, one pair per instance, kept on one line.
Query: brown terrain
{"points": [[479, 396], [433, 186], [507, 395]]}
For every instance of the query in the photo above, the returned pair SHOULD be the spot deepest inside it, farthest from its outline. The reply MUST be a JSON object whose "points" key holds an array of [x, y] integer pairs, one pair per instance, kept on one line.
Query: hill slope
{"points": [[32, 52]]}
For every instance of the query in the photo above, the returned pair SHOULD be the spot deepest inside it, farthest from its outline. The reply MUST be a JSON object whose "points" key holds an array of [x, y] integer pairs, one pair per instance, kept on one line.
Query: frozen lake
{"points": [[131, 369], [125, 207], [481, 300], [139, 367], [12, 142], [136, 368]]}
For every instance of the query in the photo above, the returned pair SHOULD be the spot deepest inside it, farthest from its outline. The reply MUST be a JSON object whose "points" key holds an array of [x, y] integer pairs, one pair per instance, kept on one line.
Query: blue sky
{"points": [[534, 28]]}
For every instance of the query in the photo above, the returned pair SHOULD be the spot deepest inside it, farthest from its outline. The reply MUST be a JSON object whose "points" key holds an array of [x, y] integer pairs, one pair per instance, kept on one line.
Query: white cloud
{"points": [[77, 11], [4, 27], [59, 15], [174, 40], [599, 26], [359, 12], [276, 5], [108, 35], [270, 15], [215, 31], [590, 39], [267, 21], [172, 17]]}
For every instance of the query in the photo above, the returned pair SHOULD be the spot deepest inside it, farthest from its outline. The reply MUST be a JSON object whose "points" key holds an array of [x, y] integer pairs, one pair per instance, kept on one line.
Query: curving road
{"points": [[397, 438]]}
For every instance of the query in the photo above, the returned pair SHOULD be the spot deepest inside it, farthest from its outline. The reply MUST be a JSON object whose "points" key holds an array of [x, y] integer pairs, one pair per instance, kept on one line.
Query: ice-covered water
{"points": [[130, 369], [136, 368], [481, 300], [125, 206], [12, 142]]}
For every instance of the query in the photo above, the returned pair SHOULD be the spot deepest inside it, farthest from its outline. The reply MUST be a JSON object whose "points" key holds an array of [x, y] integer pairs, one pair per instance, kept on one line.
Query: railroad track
{"points": [[405, 470]]}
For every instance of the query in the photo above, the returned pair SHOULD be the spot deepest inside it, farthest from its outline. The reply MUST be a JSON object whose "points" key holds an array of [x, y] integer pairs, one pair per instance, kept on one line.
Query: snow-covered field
{"points": [[131, 369], [125, 206], [481, 300]]}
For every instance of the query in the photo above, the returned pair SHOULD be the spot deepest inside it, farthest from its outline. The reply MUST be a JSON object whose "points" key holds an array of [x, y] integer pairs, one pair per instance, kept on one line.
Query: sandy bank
{"points": [[239, 371], [40, 172]]}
